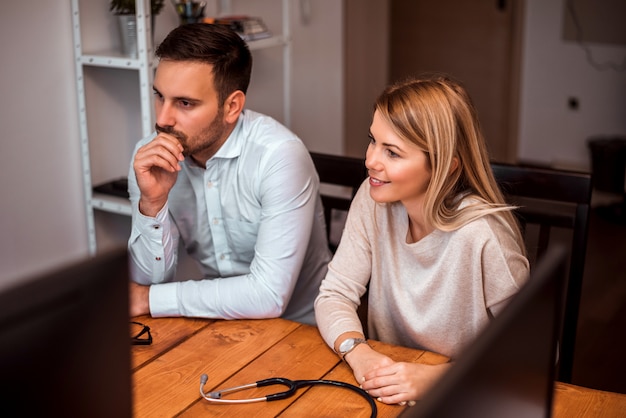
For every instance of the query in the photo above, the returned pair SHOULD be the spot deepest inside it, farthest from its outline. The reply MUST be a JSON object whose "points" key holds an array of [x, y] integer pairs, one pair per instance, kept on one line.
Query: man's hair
{"points": [[216, 45], [436, 113]]}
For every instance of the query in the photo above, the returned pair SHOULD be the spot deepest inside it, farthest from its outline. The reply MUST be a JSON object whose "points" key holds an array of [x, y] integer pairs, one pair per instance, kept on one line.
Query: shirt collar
{"points": [[234, 143]]}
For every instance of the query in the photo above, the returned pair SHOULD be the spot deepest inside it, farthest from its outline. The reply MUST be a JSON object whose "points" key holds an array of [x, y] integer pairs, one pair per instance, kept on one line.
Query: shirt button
{"points": [[216, 221], [222, 257], [157, 258], [209, 184], [156, 226]]}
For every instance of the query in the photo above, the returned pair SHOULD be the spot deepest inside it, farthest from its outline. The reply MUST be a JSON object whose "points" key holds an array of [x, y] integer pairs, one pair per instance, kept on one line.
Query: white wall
{"points": [[317, 74], [317, 95], [555, 70], [42, 218]]}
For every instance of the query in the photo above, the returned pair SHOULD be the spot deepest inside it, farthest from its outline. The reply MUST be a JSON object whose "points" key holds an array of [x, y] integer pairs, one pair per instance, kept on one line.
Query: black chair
{"points": [[608, 168], [344, 175], [553, 206]]}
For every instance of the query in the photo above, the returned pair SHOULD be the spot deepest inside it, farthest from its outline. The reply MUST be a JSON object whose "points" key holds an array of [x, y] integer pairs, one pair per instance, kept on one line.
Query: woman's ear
{"points": [[233, 106], [454, 165]]}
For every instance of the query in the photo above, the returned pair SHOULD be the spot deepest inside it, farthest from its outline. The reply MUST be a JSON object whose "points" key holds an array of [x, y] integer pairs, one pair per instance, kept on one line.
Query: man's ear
{"points": [[233, 106]]}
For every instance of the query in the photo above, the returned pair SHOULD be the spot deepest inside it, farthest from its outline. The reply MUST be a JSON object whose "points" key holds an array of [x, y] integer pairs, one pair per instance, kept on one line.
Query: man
{"points": [[237, 189]]}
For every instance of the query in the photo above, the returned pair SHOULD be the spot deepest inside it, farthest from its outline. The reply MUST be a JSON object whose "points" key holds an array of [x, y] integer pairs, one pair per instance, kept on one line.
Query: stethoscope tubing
{"points": [[292, 386]]}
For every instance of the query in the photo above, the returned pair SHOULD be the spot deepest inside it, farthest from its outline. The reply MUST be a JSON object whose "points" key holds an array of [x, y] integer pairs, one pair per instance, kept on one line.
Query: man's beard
{"points": [[206, 139]]}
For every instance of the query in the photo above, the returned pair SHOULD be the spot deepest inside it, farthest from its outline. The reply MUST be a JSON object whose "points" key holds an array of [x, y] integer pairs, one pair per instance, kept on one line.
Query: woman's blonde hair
{"points": [[436, 113]]}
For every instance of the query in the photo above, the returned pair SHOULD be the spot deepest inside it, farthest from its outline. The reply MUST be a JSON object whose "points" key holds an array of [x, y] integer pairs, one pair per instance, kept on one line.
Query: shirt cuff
{"points": [[147, 223], [163, 300]]}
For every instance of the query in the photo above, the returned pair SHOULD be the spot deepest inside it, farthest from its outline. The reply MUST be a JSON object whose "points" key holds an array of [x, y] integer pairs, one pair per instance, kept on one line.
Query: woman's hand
{"points": [[363, 359], [399, 382]]}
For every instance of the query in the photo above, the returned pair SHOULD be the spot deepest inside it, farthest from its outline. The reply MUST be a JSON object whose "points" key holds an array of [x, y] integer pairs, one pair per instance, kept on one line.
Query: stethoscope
{"points": [[292, 386]]}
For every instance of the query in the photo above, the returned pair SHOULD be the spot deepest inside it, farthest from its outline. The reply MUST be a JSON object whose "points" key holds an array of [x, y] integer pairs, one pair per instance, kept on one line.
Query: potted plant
{"points": [[127, 7], [125, 12]]}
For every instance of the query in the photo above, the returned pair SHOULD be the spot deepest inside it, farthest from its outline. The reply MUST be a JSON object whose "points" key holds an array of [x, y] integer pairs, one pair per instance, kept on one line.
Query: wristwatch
{"points": [[349, 344]]}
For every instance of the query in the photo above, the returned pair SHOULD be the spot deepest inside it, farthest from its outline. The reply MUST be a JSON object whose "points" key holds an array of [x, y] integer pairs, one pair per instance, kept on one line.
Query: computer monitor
{"points": [[509, 370], [65, 342]]}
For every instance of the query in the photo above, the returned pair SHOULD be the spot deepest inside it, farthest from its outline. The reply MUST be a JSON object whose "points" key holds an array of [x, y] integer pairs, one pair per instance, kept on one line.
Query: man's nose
{"points": [[165, 115]]}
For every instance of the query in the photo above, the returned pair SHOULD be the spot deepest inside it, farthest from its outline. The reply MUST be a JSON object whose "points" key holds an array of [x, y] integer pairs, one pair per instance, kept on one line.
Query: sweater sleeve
{"points": [[505, 268], [348, 274]]}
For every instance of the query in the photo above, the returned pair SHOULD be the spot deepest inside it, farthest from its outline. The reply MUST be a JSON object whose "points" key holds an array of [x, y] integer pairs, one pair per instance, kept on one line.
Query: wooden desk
{"points": [[166, 374]]}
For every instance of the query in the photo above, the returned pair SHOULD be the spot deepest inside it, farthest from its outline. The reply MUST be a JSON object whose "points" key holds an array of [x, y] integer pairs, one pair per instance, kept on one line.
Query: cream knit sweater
{"points": [[436, 294]]}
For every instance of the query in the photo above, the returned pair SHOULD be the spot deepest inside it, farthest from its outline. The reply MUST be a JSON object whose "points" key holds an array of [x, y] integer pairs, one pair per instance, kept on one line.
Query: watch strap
{"points": [[355, 342]]}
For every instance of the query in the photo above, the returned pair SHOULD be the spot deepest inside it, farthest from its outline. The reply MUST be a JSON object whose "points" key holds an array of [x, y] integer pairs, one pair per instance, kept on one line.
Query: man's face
{"points": [[187, 107]]}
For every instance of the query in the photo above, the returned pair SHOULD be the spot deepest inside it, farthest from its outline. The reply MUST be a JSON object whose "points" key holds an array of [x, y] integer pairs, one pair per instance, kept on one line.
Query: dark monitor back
{"points": [[509, 370], [65, 344]]}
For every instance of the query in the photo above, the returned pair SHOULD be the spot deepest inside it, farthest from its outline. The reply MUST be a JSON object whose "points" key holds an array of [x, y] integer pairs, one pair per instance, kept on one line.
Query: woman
{"points": [[430, 233]]}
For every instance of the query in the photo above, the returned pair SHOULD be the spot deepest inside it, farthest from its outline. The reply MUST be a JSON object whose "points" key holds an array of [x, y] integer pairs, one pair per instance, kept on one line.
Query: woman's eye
{"points": [[392, 154], [371, 139]]}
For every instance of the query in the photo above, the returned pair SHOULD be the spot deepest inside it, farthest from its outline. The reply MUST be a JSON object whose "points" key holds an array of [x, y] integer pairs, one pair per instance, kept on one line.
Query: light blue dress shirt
{"points": [[252, 219]]}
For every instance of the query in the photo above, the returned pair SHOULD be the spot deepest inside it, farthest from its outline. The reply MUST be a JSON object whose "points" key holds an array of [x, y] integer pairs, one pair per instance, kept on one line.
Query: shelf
{"points": [[127, 99], [114, 59], [267, 43], [111, 204], [111, 60]]}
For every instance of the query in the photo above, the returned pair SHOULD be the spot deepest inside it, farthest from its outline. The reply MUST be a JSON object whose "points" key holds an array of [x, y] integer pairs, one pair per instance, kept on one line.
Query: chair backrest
{"points": [[553, 206], [340, 178], [344, 175]]}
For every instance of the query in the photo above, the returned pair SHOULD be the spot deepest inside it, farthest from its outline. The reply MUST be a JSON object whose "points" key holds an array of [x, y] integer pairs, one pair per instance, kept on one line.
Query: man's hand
{"points": [[156, 167], [139, 299]]}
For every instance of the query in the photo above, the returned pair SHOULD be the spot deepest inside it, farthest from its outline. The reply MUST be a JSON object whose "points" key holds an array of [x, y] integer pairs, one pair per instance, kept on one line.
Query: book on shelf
{"points": [[248, 27], [117, 187]]}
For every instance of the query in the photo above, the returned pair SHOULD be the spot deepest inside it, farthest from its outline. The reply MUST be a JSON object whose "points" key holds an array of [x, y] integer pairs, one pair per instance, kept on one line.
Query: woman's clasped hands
{"points": [[389, 381]]}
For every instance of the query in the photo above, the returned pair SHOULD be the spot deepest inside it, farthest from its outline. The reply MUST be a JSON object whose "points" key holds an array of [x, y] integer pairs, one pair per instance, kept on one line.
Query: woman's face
{"points": [[398, 170]]}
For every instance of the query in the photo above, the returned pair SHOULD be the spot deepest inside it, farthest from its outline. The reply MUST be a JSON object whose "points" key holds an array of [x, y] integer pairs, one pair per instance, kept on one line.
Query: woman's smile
{"points": [[374, 182]]}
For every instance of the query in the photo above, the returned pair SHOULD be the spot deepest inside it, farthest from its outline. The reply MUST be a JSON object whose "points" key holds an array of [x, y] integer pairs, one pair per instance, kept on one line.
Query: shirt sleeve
{"points": [[153, 242], [288, 194]]}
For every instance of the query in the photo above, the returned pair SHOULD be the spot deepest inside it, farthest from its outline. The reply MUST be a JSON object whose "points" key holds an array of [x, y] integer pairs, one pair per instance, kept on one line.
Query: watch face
{"points": [[346, 345]]}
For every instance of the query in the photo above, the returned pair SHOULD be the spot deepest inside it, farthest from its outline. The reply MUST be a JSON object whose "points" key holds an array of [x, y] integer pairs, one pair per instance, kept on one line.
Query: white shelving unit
{"points": [[112, 88]]}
